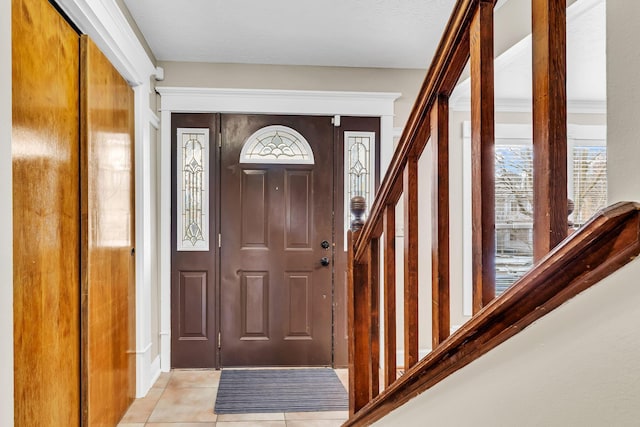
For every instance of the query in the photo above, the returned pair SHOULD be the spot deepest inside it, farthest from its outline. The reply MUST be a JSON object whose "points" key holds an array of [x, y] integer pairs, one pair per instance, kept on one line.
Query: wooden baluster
{"points": [[440, 221], [351, 314], [359, 317], [483, 158], [410, 194], [389, 224], [549, 125], [374, 298]]}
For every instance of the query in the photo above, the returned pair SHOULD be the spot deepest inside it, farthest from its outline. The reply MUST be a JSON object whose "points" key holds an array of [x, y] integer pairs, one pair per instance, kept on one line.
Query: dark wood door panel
{"points": [[193, 305], [254, 301], [276, 297], [298, 188], [299, 305], [255, 215], [194, 273]]}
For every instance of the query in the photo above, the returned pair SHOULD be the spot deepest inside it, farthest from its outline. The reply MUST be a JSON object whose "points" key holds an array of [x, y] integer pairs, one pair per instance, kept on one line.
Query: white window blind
{"points": [[587, 170], [586, 187], [589, 164], [514, 212]]}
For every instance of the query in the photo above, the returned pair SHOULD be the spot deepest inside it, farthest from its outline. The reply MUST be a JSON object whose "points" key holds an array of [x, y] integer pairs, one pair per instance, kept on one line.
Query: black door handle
{"points": [[324, 261]]}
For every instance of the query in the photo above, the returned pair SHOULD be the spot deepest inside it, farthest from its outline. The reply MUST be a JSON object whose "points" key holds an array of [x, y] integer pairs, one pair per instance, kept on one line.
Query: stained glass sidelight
{"points": [[192, 189], [276, 144], [359, 153]]}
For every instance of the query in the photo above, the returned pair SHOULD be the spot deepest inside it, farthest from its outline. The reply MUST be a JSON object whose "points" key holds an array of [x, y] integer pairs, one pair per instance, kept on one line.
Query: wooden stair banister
{"points": [[608, 241]]}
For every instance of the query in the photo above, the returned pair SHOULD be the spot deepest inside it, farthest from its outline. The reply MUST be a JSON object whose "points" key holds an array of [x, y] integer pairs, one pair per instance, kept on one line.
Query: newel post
{"points": [[358, 208], [359, 314]]}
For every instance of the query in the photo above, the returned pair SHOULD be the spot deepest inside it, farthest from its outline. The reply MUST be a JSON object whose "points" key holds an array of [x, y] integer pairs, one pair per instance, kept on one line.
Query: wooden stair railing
{"points": [[608, 241], [597, 249]]}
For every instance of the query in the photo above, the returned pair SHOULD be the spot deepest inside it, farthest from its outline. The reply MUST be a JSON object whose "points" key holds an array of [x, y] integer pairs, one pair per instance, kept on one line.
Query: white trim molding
{"points": [[503, 105], [268, 101], [256, 101], [6, 221], [104, 22], [154, 371]]}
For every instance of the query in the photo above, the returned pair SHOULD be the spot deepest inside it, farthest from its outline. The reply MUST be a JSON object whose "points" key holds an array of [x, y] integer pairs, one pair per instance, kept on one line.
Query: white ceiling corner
{"points": [[352, 33]]}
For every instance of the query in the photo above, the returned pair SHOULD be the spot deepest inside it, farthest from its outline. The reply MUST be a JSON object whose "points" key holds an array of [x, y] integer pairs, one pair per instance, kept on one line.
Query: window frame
{"points": [[512, 134]]}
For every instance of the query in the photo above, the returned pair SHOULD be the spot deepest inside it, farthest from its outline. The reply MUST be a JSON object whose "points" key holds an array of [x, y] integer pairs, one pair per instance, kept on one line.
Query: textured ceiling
{"points": [[353, 33]]}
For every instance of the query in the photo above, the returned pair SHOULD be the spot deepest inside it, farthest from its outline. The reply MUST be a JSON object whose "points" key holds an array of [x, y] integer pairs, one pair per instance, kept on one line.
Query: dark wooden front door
{"points": [[275, 293]]}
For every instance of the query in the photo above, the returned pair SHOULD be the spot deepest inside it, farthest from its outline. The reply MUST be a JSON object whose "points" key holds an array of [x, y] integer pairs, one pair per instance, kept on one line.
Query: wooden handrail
{"points": [[608, 241], [449, 61]]}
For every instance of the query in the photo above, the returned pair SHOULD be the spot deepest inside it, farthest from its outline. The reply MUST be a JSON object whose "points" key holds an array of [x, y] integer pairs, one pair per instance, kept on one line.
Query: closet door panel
{"points": [[46, 212], [108, 285]]}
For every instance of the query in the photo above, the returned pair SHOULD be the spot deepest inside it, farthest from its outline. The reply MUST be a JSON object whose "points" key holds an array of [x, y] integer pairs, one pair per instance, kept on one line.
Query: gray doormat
{"points": [[246, 391]]}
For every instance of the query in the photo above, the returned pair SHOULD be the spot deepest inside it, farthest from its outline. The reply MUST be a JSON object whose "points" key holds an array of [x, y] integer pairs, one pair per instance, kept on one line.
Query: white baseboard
{"points": [[142, 371], [165, 351], [154, 371]]}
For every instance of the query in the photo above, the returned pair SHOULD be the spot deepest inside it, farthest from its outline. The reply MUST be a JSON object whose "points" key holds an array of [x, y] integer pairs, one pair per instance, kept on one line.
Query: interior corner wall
{"points": [[623, 93], [245, 76], [6, 222], [576, 366]]}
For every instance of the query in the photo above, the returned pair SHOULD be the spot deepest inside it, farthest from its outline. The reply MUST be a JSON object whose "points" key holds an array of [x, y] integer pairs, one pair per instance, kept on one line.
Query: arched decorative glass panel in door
{"points": [[276, 144]]}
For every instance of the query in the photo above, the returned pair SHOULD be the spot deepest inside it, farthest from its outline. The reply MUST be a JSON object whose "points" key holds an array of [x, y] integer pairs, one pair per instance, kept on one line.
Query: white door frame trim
{"points": [[258, 101], [6, 220]]}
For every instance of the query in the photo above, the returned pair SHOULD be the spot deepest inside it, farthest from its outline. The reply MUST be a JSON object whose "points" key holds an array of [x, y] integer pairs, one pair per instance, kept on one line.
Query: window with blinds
{"points": [[587, 188], [514, 212], [589, 179]]}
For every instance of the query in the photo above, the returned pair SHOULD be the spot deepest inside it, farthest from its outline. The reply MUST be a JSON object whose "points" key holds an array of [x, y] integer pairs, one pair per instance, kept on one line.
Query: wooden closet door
{"points": [[46, 212], [108, 288]]}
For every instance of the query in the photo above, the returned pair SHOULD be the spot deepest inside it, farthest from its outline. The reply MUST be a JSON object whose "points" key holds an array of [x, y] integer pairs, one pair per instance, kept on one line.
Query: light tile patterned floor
{"points": [[185, 398]]}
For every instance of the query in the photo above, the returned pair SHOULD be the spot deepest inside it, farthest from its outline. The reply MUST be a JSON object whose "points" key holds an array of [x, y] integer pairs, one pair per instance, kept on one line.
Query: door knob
{"points": [[324, 261]]}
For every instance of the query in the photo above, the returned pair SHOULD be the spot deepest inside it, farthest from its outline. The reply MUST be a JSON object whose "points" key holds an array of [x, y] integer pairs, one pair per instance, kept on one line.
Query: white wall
{"points": [[425, 265], [577, 366], [623, 133], [245, 76], [6, 224]]}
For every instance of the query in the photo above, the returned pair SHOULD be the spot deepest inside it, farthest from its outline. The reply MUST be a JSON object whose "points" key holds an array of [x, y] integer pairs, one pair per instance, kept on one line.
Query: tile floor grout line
{"points": [[164, 388]]}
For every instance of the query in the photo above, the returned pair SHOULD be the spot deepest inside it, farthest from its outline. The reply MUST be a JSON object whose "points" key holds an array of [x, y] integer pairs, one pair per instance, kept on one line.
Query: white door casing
{"points": [[250, 101]]}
